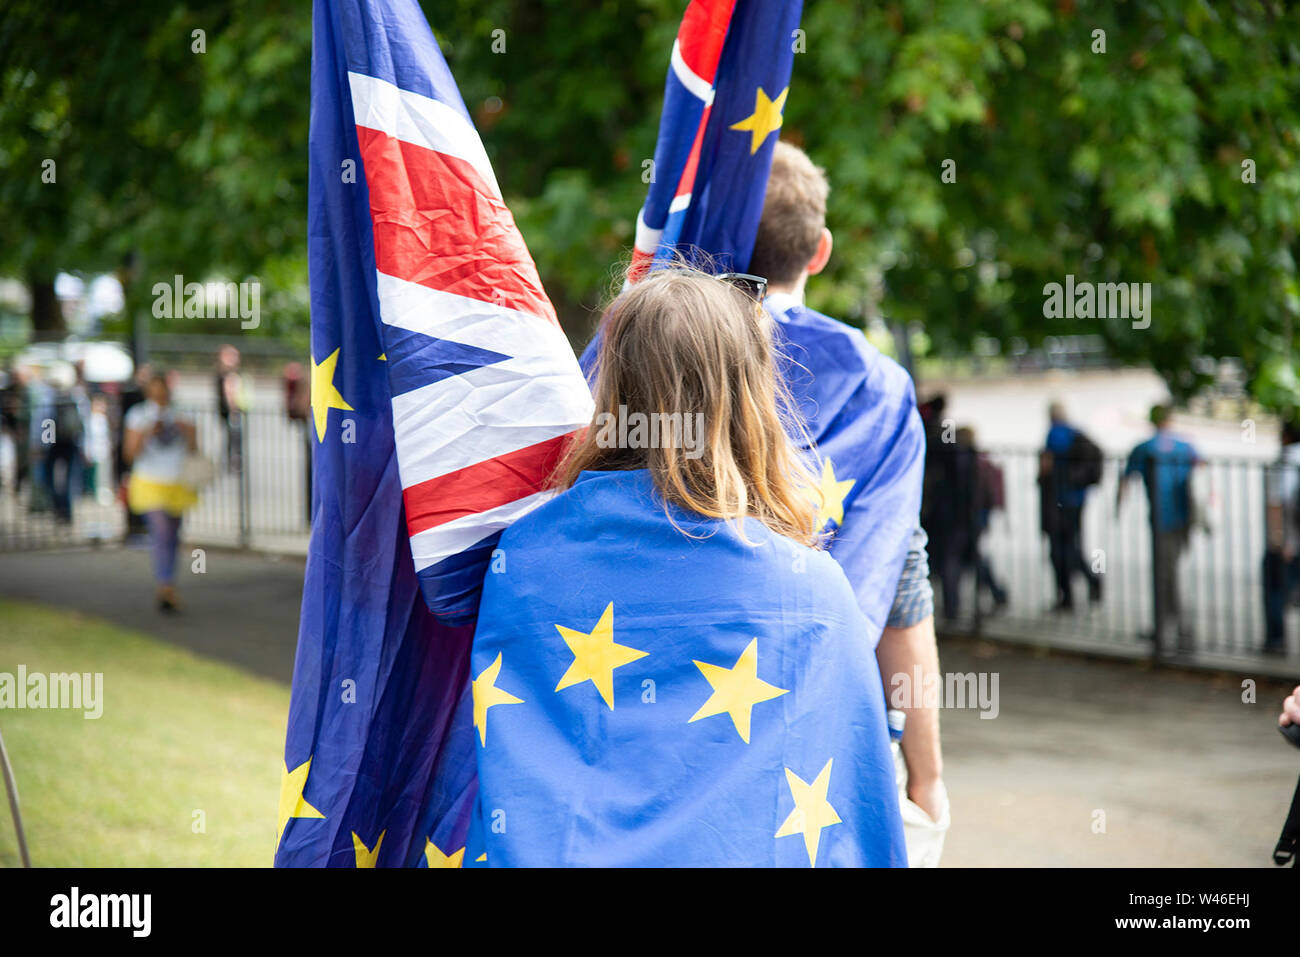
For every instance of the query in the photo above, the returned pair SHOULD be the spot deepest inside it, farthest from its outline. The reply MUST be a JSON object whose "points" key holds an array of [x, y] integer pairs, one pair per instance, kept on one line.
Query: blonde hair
{"points": [[683, 342], [794, 215]]}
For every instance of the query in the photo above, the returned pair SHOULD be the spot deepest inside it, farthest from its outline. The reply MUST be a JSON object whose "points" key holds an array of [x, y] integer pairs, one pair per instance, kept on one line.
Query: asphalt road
{"points": [[1104, 764]]}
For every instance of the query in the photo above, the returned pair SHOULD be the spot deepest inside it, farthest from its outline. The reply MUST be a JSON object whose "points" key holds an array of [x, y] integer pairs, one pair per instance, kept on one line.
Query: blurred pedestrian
{"points": [[63, 434], [99, 452], [40, 435], [1282, 531], [157, 442], [132, 395], [1071, 465], [990, 497], [954, 515], [937, 430], [231, 404], [297, 406], [1165, 464], [16, 420]]}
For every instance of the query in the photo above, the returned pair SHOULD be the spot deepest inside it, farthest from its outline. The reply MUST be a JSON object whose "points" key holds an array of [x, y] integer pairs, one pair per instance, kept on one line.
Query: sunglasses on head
{"points": [[753, 286]]}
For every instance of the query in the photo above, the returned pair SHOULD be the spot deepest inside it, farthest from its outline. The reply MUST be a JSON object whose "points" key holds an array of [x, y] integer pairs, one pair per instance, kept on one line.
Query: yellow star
{"points": [[736, 690], [812, 811], [830, 496], [486, 695], [292, 803], [596, 655], [365, 856], [323, 394], [481, 857], [436, 858], [765, 119]]}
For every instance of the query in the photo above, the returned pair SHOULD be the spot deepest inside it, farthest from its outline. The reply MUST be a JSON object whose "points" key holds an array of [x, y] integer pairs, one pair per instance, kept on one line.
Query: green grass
{"points": [[178, 734]]}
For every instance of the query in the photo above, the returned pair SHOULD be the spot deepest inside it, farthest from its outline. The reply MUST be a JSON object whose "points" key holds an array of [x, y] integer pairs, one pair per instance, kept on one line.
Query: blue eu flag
{"points": [[651, 689]]}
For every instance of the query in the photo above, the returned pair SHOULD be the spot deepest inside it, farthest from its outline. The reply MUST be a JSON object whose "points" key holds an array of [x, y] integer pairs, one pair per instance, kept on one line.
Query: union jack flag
{"points": [[443, 392], [727, 82], [485, 387]]}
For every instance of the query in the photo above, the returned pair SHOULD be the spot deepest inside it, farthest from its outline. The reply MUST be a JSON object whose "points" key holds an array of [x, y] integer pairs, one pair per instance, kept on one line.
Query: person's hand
{"points": [[1290, 709], [929, 796]]}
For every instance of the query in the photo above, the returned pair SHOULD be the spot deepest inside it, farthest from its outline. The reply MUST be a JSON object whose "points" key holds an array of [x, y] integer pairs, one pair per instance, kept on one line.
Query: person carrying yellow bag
{"points": [[157, 444]]}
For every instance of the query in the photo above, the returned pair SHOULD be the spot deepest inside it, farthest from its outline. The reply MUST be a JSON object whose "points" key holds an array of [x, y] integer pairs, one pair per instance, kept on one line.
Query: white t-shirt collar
{"points": [[780, 303]]}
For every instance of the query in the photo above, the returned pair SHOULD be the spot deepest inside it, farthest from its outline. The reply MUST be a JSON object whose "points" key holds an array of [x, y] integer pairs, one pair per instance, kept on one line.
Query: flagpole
{"points": [[11, 786]]}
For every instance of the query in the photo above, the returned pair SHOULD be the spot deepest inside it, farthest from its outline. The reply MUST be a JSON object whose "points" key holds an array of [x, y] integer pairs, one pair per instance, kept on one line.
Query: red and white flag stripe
{"points": [[475, 449]]}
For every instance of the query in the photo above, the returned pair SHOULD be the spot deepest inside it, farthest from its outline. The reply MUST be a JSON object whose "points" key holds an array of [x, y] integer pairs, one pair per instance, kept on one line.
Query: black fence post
{"points": [[245, 516], [1159, 612], [978, 500]]}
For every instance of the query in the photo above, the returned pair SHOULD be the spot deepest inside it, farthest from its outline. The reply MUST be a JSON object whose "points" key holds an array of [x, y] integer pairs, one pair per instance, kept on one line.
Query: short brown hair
{"points": [[794, 215], [683, 342]]}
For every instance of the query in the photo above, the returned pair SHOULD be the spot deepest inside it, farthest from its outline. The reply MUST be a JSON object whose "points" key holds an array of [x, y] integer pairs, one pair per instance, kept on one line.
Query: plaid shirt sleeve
{"points": [[914, 597]]}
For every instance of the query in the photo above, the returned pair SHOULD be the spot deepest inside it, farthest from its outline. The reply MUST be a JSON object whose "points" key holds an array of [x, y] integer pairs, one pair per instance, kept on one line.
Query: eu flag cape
{"points": [[868, 446], [655, 694]]}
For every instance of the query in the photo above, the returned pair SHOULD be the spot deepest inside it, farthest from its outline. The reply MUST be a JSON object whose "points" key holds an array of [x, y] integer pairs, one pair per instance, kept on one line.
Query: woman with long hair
{"points": [[667, 669]]}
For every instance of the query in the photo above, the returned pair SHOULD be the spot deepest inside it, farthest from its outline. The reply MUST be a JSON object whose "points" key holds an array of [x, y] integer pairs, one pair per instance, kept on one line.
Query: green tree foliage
{"points": [[182, 151], [1128, 162], [566, 97], [1121, 162]]}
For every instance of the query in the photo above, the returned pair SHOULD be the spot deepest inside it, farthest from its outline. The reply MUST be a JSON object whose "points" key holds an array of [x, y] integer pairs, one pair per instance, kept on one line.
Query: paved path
{"points": [[243, 609], [1185, 773]]}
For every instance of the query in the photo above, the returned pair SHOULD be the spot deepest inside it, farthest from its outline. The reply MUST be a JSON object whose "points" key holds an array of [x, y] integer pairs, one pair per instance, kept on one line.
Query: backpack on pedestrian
{"points": [[1295, 502], [993, 496], [1083, 462], [68, 427]]}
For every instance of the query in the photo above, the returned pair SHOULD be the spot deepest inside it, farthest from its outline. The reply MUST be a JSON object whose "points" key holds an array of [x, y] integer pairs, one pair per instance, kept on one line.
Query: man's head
{"points": [[1160, 415], [793, 241], [1056, 413]]}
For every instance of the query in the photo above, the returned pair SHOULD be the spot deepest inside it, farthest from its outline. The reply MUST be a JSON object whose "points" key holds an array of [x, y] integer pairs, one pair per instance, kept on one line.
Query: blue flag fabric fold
{"points": [[868, 446], [646, 698]]}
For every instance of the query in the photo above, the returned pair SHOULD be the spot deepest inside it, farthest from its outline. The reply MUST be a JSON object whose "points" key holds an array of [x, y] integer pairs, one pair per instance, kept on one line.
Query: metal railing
{"points": [[1220, 572], [259, 497]]}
